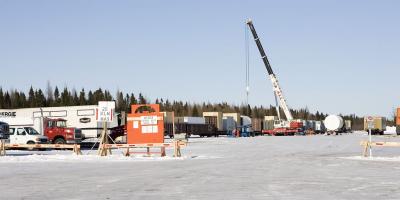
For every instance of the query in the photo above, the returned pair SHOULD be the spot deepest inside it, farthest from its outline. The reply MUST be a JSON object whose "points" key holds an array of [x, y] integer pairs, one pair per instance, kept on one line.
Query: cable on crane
{"points": [[247, 62]]}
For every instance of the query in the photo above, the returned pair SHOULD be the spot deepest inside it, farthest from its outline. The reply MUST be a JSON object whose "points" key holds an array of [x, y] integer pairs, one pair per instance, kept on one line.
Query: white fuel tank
{"points": [[333, 122]]}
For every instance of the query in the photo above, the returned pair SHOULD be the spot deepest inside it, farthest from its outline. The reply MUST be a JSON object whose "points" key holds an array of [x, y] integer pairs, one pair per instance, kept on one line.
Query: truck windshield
{"points": [[61, 124], [31, 131]]}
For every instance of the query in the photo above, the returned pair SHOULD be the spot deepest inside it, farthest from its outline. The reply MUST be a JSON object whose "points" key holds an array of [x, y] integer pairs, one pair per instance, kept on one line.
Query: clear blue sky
{"points": [[332, 56]]}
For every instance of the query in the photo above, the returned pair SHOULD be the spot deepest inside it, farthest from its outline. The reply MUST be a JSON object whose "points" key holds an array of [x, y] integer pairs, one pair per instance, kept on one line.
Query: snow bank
{"points": [[390, 130], [391, 159], [81, 158]]}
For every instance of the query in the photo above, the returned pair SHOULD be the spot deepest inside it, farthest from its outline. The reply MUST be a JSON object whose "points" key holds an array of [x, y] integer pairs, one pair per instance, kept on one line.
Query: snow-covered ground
{"points": [[299, 167]]}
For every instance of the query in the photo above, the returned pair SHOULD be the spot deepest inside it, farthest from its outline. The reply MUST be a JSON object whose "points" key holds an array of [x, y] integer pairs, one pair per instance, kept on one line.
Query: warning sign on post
{"points": [[370, 121], [105, 111]]}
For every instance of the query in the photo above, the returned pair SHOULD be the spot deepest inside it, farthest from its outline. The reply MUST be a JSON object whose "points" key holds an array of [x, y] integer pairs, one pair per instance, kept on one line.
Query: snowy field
{"points": [[299, 167]]}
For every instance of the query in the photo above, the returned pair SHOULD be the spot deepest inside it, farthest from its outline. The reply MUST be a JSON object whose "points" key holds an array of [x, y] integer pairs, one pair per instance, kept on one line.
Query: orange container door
{"points": [[145, 124]]}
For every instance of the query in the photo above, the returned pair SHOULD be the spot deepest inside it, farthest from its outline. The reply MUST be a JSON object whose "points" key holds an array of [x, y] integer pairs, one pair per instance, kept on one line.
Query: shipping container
{"points": [[235, 116], [398, 112], [379, 125], [268, 125], [190, 120], [229, 124], [347, 125], [319, 127], [257, 124], [269, 118], [168, 117], [214, 118], [202, 130]]}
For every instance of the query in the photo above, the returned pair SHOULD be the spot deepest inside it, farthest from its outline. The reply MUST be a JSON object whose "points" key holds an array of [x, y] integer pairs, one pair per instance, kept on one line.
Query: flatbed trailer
{"points": [[282, 132], [202, 130]]}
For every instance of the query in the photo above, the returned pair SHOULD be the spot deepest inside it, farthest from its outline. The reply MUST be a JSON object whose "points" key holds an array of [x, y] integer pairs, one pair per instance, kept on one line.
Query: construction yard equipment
{"points": [[288, 126]]}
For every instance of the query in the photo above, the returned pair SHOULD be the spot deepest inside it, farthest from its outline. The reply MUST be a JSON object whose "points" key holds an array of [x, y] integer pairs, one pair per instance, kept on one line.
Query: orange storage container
{"points": [[398, 112], [145, 124]]}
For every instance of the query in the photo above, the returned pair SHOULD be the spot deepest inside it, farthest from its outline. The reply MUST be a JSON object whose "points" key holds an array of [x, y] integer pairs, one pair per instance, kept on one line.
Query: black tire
{"points": [[30, 142], [59, 141]]}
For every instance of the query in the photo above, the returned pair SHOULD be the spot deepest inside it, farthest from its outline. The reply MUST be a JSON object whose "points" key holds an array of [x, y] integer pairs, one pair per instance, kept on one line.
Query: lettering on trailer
{"points": [[8, 114]]}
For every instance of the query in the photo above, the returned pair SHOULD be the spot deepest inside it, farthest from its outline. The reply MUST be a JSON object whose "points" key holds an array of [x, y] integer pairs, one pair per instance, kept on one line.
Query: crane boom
{"points": [[274, 80]]}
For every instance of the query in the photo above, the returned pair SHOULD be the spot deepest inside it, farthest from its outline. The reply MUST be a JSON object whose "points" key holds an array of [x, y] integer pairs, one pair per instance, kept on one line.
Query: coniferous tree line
{"points": [[65, 97]]}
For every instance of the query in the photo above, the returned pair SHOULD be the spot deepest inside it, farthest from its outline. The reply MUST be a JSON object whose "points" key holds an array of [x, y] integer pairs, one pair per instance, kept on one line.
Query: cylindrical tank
{"points": [[333, 122]]}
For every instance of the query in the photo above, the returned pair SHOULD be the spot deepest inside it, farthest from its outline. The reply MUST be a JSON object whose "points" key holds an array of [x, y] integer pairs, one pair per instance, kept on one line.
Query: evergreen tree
{"points": [[120, 101], [66, 97], [31, 98], [133, 99], [195, 112], [1, 98], [7, 100], [127, 103], [82, 97], [75, 98], [57, 100], [142, 100], [23, 103], [40, 99], [91, 99]]}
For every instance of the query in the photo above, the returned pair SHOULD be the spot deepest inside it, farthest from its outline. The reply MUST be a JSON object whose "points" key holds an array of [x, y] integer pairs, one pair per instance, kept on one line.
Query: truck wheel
{"points": [[59, 141], [30, 142]]}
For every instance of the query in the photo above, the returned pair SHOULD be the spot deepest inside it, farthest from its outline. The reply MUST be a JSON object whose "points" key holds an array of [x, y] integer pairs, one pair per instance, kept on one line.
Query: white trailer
{"points": [[82, 117]]}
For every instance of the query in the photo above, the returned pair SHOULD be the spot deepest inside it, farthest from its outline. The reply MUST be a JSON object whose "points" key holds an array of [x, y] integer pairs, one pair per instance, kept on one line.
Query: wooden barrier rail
{"points": [[176, 145], [76, 148], [368, 144]]}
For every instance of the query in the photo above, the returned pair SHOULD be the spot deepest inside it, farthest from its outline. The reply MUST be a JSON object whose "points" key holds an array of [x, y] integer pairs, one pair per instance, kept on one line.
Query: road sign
{"points": [[105, 111], [370, 121]]}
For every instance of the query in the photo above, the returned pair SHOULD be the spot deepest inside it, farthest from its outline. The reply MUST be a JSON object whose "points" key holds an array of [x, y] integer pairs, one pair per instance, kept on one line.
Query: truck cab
{"points": [[58, 132], [26, 135], [4, 132]]}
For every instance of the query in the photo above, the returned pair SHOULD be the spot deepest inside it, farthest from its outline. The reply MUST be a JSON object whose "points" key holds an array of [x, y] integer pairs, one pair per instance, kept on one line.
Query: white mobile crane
{"points": [[288, 126]]}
